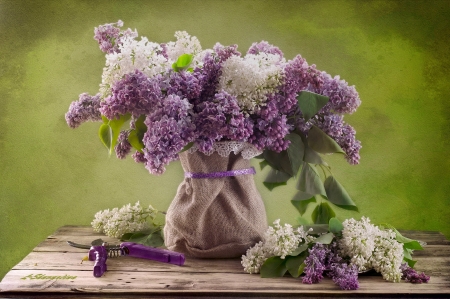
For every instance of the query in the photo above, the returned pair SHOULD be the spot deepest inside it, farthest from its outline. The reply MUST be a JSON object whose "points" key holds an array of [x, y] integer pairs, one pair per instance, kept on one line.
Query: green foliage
{"points": [[110, 129], [338, 195], [322, 213], [302, 200], [335, 226], [319, 141], [274, 266], [151, 238], [310, 103], [295, 264], [183, 63]]}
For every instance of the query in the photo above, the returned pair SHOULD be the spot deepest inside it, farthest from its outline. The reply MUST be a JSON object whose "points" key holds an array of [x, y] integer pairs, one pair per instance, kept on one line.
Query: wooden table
{"points": [[54, 269]]}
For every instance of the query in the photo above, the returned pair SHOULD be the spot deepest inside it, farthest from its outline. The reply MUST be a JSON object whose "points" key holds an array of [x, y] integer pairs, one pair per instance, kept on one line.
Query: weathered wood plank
{"points": [[63, 274], [142, 282]]}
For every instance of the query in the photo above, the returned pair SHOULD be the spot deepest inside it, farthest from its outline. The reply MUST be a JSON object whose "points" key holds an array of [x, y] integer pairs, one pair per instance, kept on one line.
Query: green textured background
{"points": [[396, 53]]}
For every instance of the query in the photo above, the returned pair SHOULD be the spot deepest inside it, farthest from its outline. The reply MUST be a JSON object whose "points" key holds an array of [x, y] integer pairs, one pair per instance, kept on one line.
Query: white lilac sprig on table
{"points": [[338, 250], [130, 223], [177, 95]]}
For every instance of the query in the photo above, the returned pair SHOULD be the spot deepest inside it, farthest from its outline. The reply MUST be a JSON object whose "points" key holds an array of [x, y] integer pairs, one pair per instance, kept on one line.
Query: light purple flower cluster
{"points": [[323, 258], [135, 93], [411, 275], [184, 106], [170, 128], [109, 36], [85, 109]]}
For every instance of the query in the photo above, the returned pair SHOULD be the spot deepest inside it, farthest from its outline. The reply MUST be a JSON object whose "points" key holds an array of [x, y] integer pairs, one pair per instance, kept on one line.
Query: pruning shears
{"points": [[100, 253]]}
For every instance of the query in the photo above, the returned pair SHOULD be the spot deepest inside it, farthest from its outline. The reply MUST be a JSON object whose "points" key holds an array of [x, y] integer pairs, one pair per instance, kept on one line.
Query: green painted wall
{"points": [[395, 52]]}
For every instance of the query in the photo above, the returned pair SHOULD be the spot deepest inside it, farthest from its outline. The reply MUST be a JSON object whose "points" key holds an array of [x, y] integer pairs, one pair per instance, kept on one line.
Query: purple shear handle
{"points": [[99, 255], [151, 253]]}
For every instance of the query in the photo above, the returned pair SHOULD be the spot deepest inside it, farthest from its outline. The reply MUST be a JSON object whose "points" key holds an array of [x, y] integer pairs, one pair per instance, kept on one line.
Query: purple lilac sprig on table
{"points": [[412, 276], [250, 97]]}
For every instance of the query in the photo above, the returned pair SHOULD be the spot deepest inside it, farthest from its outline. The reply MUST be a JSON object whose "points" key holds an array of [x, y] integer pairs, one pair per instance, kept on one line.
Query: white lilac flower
{"points": [[255, 258], [251, 78], [388, 256], [185, 44], [369, 247], [279, 241], [127, 219], [358, 241], [142, 55]]}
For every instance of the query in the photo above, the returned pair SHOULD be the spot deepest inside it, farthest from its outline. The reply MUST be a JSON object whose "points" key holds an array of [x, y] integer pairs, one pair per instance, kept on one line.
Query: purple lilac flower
{"points": [[264, 47], [123, 147], [169, 129], [184, 84], [85, 109], [220, 119], [343, 98], [139, 157], [109, 36], [411, 275], [135, 93], [315, 264], [223, 53], [344, 275], [270, 128]]}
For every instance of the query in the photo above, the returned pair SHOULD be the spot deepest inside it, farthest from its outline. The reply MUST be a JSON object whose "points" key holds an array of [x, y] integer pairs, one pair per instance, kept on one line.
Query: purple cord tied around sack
{"points": [[220, 174]]}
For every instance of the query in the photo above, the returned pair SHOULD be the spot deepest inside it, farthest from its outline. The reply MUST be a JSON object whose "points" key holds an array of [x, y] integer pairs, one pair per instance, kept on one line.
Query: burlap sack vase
{"points": [[215, 217]]}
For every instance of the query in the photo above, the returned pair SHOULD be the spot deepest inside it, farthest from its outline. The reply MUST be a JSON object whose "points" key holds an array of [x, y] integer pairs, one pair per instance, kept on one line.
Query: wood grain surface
{"points": [[54, 269]]}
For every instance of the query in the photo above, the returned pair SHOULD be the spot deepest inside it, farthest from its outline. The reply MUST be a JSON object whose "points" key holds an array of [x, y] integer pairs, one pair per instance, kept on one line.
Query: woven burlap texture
{"points": [[217, 217]]}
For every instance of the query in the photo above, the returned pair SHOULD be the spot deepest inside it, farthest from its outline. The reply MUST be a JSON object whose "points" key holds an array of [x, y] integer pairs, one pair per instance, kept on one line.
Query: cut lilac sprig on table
{"points": [[340, 253]]}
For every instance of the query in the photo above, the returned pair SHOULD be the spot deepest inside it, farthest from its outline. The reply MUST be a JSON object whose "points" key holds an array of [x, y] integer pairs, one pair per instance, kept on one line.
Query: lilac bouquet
{"points": [[338, 250], [177, 96]]}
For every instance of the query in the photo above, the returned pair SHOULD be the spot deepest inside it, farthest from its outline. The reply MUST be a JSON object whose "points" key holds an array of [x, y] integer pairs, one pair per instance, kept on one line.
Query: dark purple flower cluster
{"points": [[135, 93], [220, 119], [85, 109], [169, 129], [123, 147], [323, 258], [411, 275], [109, 36]]}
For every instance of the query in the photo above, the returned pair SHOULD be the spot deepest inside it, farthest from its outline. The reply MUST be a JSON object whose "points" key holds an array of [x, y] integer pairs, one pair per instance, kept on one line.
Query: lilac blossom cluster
{"points": [[324, 258], [412, 276], [224, 96]]}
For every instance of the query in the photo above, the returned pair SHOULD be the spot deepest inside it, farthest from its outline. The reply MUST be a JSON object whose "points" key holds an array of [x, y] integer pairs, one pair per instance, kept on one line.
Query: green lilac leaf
{"points": [[299, 250], [310, 103], [322, 213], [325, 239], [414, 245], [275, 179], [309, 181], [263, 164], [319, 141], [410, 262], [301, 221], [105, 119], [273, 267], [407, 253], [335, 225], [313, 157], [187, 146], [184, 61], [135, 142], [295, 151], [279, 161], [116, 125], [293, 264], [302, 204], [105, 135], [338, 195]]}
